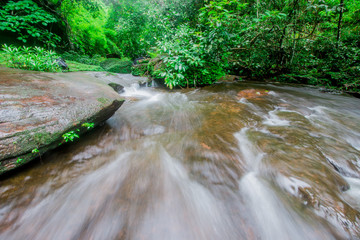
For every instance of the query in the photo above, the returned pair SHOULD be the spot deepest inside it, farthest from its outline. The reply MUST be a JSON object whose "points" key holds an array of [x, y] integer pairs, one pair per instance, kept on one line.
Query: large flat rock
{"points": [[37, 108]]}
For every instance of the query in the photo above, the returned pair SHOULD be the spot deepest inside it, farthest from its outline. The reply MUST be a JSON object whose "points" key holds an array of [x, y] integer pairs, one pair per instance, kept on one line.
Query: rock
{"points": [[229, 78], [62, 64], [142, 83], [126, 80], [37, 108], [354, 94], [117, 87], [140, 60], [252, 93]]}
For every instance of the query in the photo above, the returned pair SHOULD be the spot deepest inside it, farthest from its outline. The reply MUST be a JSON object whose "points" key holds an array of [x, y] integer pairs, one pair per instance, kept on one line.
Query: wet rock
{"points": [[229, 78], [140, 60], [62, 64], [252, 93], [143, 83], [37, 108], [117, 87]]}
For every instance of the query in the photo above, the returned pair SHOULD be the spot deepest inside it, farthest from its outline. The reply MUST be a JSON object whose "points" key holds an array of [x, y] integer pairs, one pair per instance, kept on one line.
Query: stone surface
{"points": [[125, 80], [252, 93], [229, 78], [37, 108], [117, 87]]}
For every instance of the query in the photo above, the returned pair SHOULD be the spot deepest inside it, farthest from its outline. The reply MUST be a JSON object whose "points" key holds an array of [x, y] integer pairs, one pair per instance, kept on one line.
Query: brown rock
{"points": [[37, 108], [252, 93]]}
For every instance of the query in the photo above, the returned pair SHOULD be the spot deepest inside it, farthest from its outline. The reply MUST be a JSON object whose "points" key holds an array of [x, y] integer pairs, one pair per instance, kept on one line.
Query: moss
{"points": [[42, 138], [103, 100]]}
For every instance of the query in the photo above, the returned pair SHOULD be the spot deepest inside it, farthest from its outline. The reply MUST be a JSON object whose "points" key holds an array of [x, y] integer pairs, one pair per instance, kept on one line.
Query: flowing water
{"points": [[222, 162]]}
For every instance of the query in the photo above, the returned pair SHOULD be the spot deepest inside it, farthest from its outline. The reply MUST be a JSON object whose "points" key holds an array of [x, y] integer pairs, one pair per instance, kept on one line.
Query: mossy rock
{"points": [[116, 65]]}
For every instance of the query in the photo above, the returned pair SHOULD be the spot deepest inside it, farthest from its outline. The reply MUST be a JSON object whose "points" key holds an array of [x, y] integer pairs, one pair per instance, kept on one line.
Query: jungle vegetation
{"points": [[194, 42]]}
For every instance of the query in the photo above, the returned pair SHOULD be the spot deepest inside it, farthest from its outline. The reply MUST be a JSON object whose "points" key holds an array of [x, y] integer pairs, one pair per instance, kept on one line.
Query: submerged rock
{"points": [[117, 87], [252, 93], [37, 108]]}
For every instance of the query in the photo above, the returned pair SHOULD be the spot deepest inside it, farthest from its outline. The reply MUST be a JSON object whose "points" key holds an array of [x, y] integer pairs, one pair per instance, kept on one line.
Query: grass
{"points": [[2, 59], [73, 65], [76, 67]]}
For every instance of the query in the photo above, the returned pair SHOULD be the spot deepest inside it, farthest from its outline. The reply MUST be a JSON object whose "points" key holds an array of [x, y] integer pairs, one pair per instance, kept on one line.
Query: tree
{"points": [[28, 20]]}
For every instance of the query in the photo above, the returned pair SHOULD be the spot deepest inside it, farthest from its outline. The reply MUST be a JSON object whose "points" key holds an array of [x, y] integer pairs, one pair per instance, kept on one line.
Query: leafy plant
{"points": [[37, 58], [28, 20], [35, 150], [88, 125], [19, 161], [70, 136], [189, 60]]}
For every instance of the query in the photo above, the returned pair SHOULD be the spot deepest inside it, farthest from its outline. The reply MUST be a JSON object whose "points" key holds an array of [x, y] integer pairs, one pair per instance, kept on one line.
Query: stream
{"points": [[228, 161]]}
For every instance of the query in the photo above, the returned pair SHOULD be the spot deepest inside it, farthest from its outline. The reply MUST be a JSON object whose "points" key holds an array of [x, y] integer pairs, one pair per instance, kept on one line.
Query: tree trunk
{"points": [[339, 22]]}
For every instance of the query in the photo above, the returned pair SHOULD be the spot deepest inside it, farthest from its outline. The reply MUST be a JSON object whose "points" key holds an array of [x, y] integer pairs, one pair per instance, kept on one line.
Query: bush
{"points": [[116, 65], [140, 70], [37, 59], [82, 58], [188, 60]]}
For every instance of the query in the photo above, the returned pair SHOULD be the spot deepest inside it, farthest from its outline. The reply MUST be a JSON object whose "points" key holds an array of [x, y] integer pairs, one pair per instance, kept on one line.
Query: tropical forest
{"points": [[195, 42]]}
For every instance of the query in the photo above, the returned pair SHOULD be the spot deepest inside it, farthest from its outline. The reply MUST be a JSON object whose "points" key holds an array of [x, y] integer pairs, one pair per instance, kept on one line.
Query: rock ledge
{"points": [[37, 108]]}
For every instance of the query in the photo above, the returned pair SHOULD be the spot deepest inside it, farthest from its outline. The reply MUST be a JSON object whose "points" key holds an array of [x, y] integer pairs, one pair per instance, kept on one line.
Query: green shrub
{"points": [[140, 70], [36, 59], [116, 65], [189, 60], [82, 58]]}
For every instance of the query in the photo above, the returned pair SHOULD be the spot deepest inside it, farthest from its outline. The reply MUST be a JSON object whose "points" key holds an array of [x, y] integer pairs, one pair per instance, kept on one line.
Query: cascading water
{"points": [[220, 162]]}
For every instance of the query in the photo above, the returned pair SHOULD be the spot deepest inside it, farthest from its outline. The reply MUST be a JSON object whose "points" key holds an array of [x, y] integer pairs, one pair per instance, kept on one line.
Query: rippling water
{"points": [[220, 162]]}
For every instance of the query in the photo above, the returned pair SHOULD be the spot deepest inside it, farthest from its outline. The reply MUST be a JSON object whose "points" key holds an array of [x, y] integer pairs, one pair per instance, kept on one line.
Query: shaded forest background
{"points": [[195, 42]]}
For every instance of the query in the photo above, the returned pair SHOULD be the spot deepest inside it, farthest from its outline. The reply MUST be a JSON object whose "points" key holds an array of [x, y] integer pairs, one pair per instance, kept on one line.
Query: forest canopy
{"points": [[198, 41]]}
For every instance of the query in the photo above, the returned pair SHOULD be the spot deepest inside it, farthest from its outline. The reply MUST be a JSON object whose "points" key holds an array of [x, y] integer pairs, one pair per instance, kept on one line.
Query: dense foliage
{"points": [[37, 58], [194, 42], [28, 20]]}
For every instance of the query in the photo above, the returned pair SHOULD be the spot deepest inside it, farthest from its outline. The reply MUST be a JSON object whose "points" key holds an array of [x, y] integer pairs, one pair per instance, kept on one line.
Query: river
{"points": [[228, 161]]}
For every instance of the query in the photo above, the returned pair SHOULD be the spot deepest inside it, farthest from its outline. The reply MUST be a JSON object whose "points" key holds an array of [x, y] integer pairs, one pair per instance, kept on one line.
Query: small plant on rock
{"points": [[19, 160], [35, 150], [88, 125], [70, 136]]}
